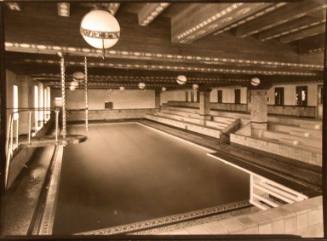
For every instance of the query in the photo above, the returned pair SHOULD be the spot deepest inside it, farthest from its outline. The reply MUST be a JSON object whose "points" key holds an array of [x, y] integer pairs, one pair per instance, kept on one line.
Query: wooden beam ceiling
{"points": [[155, 39], [111, 7], [14, 6], [149, 50], [150, 11], [311, 45], [200, 20], [317, 29], [287, 13], [291, 27], [63, 9], [271, 7], [158, 57], [181, 67]]}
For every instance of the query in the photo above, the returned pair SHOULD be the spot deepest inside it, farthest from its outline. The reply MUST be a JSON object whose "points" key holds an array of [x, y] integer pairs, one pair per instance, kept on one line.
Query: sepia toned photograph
{"points": [[163, 118]]}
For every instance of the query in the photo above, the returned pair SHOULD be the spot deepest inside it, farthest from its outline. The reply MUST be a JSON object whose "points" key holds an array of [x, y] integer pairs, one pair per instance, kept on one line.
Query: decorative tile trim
{"points": [[99, 35], [51, 49], [167, 219], [174, 68]]}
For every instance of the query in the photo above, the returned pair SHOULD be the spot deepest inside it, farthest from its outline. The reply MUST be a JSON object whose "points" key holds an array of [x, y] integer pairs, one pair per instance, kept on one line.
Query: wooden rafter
{"points": [[14, 6], [302, 34], [287, 13], [150, 11], [310, 45], [169, 58], [111, 7], [199, 20], [63, 9], [251, 17], [173, 68], [291, 27]]}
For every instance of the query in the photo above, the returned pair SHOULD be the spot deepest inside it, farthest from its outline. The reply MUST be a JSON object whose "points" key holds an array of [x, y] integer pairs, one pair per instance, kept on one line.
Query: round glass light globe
{"points": [[100, 21], [181, 79], [141, 85]]}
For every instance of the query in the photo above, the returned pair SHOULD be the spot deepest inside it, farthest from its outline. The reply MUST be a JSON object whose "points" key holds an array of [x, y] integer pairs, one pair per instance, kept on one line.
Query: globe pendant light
{"points": [[78, 76], [181, 79], [100, 29], [163, 89], [255, 81], [141, 85], [195, 86]]}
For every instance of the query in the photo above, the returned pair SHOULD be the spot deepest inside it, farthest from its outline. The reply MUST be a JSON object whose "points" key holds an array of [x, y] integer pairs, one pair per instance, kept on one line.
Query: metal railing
{"points": [[17, 128]]}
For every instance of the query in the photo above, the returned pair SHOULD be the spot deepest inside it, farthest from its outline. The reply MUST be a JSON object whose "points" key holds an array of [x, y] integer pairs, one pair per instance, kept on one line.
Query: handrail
{"points": [[14, 119], [22, 109]]}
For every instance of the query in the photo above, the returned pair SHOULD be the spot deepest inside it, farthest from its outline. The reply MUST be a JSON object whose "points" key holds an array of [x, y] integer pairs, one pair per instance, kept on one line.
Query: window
{"points": [[279, 96], [237, 96], [302, 95], [15, 102], [219, 96]]}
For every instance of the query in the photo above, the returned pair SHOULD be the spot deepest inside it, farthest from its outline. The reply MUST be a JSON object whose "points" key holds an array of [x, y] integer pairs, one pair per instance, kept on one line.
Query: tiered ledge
{"points": [[302, 141], [190, 119]]}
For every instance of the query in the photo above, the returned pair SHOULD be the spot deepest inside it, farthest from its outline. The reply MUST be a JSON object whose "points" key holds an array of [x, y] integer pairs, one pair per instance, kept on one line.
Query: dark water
{"points": [[126, 173]]}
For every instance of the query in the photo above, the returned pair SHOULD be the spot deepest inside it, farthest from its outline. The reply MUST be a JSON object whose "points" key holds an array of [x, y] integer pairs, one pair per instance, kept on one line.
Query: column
{"points": [[204, 108], [157, 98], [259, 111]]}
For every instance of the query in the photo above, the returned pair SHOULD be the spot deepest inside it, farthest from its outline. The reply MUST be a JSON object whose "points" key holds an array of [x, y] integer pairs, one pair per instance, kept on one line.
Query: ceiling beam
{"points": [[311, 45], [63, 9], [150, 11], [302, 34], [14, 6], [198, 21], [169, 58], [170, 68], [287, 13], [271, 7], [291, 27], [110, 7]]}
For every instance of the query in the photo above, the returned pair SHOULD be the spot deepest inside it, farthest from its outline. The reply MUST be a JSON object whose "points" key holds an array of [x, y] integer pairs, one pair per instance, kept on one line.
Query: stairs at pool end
{"points": [[189, 119]]}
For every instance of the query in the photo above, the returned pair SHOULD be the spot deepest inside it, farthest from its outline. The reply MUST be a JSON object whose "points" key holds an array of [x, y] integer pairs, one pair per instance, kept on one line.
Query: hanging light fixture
{"points": [[121, 88], [181, 79], [141, 85], [163, 89], [78, 76], [255, 81], [100, 29], [195, 86], [73, 85]]}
